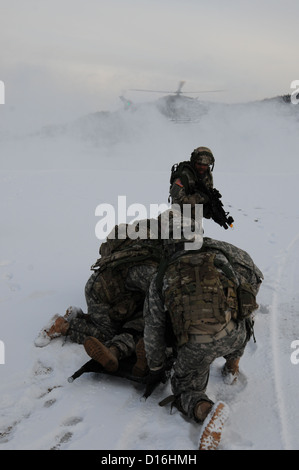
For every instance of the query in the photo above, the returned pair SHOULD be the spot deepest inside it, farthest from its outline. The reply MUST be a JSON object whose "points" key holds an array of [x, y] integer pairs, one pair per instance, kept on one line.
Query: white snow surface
{"points": [[51, 182]]}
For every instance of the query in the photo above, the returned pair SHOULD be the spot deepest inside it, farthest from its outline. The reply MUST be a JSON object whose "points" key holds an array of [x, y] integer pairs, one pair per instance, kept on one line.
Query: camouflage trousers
{"points": [[97, 321], [192, 367], [124, 338]]}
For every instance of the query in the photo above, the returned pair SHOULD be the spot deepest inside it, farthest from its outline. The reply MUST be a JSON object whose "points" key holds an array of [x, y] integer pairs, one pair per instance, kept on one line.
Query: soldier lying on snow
{"points": [[112, 329]]}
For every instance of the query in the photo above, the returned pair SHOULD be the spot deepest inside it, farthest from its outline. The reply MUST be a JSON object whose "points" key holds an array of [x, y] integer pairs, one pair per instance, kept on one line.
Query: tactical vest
{"points": [[199, 298]]}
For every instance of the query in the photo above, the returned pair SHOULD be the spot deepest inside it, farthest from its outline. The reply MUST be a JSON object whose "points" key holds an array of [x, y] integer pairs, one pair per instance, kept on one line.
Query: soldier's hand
{"points": [[156, 376]]}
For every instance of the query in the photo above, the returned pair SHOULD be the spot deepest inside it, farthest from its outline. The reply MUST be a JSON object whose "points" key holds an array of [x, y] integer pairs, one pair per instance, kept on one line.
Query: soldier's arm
{"points": [[154, 328]]}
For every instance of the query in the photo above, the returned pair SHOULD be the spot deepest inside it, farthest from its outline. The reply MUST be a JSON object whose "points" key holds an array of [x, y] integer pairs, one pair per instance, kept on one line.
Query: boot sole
{"points": [[140, 367], [100, 353], [212, 427]]}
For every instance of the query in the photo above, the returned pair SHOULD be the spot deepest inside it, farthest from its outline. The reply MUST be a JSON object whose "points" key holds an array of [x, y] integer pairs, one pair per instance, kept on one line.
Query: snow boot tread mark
{"points": [[212, 427]]}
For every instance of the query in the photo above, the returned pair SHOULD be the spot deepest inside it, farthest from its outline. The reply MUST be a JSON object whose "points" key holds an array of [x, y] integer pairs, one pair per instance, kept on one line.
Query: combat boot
{"points": [[231, 369], [212, 427], [140, 367], [57, 326], [107, 357], [202, 409]]}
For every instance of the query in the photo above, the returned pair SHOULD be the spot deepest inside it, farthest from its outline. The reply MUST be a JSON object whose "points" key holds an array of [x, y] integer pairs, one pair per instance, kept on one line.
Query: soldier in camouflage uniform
{"points": [[118, 328], [186, 176], [209, 296], [114, 295]]}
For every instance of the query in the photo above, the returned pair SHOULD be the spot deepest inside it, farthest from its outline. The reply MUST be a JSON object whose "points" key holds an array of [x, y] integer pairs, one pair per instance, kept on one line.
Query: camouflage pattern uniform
{"points": [[120, 324], [183, 189], [194, 357], [181, 195], [98, 323]]}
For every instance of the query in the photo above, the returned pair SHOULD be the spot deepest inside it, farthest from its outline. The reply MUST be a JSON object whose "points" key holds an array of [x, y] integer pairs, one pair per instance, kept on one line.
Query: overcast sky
{"points": [[68, 57]]}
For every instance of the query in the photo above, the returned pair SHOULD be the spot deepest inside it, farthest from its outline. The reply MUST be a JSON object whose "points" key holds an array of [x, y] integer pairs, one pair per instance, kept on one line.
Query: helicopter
{"points": [[178, 107]]}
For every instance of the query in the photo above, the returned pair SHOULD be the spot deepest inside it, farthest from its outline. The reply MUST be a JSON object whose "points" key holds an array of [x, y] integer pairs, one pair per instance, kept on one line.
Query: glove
{"points": [[156, 376], [153, 379]]}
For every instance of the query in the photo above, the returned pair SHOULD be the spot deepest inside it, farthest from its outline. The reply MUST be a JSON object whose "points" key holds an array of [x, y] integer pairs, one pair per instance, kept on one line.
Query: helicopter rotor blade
{"points": [[177, 92], [151, 91], [203, 91]]}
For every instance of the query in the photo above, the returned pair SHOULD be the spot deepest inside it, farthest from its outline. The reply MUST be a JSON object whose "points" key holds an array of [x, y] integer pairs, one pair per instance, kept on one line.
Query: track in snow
{"points": [[284, 329]]}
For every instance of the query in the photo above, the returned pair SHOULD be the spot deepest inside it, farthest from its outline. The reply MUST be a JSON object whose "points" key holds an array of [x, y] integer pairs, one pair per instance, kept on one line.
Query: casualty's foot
{"points": [[57, 326], [212, 427], [107, 357]]}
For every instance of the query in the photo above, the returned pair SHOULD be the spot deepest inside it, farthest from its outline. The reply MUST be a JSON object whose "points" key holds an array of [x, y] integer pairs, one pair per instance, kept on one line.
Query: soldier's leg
{"points": [[191, 376], [121, 346], [125, 343], [192, 368], [103, 329], [109, 354], [58, 326], [230, 369]]}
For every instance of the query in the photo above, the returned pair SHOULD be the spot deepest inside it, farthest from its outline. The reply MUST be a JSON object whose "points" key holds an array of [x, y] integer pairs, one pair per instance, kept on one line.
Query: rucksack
{"points": [[241, 262], [202, 292], [116, 251], [177, 173], [197, 296]]}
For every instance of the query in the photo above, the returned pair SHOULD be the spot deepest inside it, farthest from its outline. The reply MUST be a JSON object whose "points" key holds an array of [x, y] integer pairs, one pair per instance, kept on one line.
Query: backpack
{"points": [[116, 251], [177, 173], [248, 274], [197, 296]]}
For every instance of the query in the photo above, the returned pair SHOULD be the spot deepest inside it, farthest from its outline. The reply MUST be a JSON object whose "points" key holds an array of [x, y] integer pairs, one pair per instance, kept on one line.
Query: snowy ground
{"points": [[50, 184]]}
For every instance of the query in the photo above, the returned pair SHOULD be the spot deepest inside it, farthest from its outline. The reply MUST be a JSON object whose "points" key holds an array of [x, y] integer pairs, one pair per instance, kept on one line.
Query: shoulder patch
{"points": [[179, 183]]}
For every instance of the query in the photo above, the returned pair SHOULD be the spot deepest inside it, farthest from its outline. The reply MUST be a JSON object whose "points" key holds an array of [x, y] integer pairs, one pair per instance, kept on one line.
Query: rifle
{"points": [[218, 214]]}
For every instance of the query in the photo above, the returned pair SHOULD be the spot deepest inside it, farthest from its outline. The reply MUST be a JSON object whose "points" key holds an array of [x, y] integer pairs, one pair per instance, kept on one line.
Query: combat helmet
{"points": [[203, 155]]}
